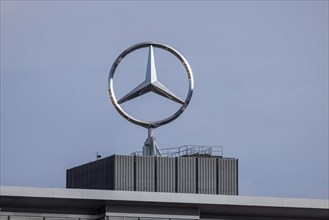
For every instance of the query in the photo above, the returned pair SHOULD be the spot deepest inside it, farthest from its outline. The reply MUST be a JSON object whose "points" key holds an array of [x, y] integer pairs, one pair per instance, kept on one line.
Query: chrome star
{"points": [[151, 84]]}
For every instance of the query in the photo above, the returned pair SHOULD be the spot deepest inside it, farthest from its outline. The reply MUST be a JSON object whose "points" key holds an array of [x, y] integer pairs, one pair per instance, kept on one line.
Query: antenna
{"points": [[98, 156]]}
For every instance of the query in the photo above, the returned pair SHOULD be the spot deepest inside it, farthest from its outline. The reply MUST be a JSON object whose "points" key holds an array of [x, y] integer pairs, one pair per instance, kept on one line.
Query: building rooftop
{"points": [[201, 206]]}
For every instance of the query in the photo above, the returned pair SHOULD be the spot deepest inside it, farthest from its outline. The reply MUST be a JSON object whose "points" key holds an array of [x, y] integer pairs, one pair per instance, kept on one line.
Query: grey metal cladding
{"points": [[145, 179], [102, 173], [94, 175], [221, 174], [235, 190], [69, 182], [186, 175], [207, 175], [227, 172], [109, 175], [166, 173], [85, 175], [162, 174], [234, 178], [123, 172]]}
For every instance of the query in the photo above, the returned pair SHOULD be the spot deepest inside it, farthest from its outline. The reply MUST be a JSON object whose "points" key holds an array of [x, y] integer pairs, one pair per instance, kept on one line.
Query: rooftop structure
{"points": [[188, 169]]}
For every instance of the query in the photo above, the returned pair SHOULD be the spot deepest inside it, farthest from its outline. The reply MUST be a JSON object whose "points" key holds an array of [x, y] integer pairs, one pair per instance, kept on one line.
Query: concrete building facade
{"points": [[26, 203]]}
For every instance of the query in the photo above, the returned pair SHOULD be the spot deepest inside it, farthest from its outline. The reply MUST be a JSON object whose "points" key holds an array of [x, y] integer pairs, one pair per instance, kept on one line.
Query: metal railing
{"points": [[189, 151]]}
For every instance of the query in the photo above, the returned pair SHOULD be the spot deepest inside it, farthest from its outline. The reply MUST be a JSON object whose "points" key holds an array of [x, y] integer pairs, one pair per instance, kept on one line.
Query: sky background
{"points": [[261, 87]]}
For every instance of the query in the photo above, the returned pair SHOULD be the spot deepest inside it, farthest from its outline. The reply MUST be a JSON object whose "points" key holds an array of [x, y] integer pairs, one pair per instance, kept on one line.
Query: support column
{"points": [[150, 147]]}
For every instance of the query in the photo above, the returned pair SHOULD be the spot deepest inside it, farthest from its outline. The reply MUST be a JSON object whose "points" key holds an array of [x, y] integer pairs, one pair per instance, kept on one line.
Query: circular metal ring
{"points": [[151, 124]]}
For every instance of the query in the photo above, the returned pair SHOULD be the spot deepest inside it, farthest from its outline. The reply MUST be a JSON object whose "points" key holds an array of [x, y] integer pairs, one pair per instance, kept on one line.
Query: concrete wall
{"points": [[30, 203]]}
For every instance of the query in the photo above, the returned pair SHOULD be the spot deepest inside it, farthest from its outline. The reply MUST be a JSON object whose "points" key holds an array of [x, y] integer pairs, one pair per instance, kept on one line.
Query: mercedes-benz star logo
{"points": [[151, 84]]}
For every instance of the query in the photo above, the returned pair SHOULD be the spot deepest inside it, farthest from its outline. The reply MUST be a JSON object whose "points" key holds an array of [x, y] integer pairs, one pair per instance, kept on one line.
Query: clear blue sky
{"points": [[261, 87]]}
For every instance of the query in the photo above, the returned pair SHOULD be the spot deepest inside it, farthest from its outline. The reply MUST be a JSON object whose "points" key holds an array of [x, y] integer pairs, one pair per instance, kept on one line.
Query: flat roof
{"points": [[208, 204]]}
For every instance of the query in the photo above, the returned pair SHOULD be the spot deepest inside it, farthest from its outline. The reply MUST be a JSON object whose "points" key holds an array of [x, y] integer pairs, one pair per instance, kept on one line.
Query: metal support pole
{"points": [[150, 147]]}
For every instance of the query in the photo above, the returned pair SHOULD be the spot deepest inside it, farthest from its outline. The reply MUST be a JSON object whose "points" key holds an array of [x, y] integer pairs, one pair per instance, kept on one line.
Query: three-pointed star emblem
{"points": [[151, 84]]}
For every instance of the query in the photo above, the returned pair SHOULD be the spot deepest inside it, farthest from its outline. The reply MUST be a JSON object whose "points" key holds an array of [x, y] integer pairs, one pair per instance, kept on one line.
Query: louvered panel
{"points": [[166, 173], [124, 173], [145, 179], [186, 175], [207, 175]]}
